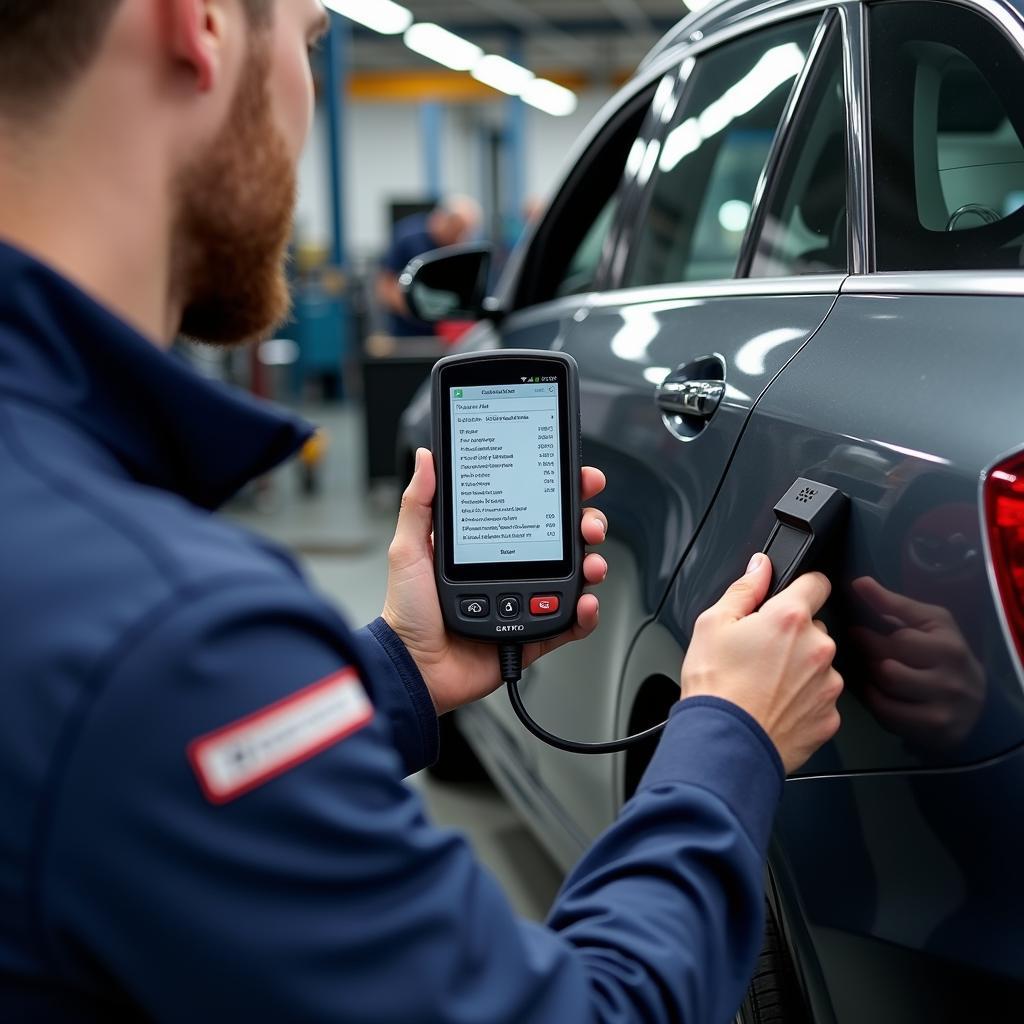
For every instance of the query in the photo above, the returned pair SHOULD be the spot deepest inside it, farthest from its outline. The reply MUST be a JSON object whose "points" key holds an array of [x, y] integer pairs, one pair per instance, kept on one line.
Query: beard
{"points": [[236, 207]]}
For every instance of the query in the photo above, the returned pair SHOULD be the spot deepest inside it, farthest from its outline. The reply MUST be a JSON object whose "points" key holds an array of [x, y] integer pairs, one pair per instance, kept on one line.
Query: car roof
{"points": [[730, 12], [710, 19]]}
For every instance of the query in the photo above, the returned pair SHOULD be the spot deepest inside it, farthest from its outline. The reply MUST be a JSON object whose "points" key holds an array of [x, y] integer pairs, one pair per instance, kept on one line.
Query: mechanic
{"points": [[204, 815], [453, 221]]}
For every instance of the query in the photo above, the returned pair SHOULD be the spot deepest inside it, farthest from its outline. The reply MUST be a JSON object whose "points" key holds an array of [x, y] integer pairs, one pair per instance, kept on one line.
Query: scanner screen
{"points": [[506, 485]]}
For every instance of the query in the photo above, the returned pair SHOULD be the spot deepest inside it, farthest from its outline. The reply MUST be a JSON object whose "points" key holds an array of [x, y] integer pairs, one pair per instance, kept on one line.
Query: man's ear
{"points": [[196, 35]]}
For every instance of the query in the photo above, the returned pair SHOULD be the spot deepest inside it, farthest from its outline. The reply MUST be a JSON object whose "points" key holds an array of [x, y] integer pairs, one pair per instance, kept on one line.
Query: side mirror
{"points": [[449, 284]]}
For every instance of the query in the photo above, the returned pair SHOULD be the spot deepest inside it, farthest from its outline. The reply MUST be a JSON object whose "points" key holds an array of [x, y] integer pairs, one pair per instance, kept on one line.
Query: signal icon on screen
{"points": [[524, 379]]}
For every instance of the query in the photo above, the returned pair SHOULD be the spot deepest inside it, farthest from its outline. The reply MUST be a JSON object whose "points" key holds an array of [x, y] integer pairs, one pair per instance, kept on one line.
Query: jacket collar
{"points": [[169, 427]]}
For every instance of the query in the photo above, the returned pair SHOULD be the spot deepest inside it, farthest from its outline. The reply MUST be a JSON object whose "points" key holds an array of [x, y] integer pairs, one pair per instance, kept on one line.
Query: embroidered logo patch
{"points": [[245, 754]]}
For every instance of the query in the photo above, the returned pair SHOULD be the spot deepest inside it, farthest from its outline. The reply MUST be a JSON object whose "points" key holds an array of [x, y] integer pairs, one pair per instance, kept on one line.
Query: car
{"points": [[807, 217]]}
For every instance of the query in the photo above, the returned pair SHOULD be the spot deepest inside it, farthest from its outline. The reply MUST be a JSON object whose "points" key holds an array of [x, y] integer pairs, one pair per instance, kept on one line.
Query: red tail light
{"points": [[1004, 517]]}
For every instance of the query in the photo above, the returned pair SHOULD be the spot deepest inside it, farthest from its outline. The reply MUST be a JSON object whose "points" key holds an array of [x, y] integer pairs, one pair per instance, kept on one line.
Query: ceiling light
{"points": [[443, 46], [384, 16], [550, 97], [502, 74]]}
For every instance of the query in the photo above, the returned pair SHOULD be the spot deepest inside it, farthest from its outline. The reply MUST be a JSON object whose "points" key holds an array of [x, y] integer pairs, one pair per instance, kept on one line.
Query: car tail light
{"points": [[1004, 517]]}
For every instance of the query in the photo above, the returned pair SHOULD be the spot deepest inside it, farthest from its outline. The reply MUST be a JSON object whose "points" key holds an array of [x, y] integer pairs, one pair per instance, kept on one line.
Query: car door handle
{"points": [[699, 398]]}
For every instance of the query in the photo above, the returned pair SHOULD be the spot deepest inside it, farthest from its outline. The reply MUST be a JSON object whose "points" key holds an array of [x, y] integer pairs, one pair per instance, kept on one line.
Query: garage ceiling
{"points": [[600, 37]]}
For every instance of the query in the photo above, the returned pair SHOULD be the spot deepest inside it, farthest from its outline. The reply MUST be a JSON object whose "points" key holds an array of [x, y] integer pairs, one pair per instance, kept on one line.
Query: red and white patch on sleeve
{"points": [[245, 754]]}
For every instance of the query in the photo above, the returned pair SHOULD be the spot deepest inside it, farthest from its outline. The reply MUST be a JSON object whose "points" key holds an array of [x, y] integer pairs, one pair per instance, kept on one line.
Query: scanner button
{"points": [[544, 605], [475, 607], [509, 607]]}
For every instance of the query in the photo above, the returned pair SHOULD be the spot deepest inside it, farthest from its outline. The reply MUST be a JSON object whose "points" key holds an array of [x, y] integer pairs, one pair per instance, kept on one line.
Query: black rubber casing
{"points": [[810, 519], [567, 587]]}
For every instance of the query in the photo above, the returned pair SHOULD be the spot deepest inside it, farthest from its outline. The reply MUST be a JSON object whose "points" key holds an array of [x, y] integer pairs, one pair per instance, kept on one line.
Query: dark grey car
{"points": [[820, 208]]}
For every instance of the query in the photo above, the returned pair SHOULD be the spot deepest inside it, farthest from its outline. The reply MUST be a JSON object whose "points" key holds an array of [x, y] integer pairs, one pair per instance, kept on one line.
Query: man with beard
{"points": [[204, 816]]}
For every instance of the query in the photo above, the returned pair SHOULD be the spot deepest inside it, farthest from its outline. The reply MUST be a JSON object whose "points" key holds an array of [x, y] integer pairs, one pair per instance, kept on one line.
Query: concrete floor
{"points": [[341, 535]]}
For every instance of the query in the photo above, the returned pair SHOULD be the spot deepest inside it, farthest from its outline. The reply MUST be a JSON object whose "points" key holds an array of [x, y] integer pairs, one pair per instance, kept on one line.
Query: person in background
{"points": [[455, 220]]}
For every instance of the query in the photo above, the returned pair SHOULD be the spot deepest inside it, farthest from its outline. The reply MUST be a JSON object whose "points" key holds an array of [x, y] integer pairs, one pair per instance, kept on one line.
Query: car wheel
{"points": [[774, 996], [456, 761]]}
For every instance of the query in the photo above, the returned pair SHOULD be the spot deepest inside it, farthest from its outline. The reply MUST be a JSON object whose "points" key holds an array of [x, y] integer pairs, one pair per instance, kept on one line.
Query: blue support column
{"points": [[336, 88], [515, 152], [322, 314], [431, 131]]}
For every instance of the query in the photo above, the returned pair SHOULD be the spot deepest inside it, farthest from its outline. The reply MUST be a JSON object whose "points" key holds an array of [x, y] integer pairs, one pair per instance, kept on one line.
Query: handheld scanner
{"points": [[506, 445]]}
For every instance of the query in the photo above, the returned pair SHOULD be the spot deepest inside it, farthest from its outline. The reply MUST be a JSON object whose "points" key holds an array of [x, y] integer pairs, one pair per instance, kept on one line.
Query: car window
{"points": [[582, 269], [714, 154], [805, 222], [568, 249], [947, 123]]}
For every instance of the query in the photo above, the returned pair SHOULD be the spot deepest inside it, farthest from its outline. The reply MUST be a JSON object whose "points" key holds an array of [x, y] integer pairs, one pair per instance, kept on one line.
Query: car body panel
{"points": [[857, 409], [900, 882], [659, 488], [895, 859]]}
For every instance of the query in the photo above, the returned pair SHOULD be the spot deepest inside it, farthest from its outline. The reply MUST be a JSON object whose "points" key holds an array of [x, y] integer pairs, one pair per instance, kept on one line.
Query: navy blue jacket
{"points": [[201, 767], [411, 239]]}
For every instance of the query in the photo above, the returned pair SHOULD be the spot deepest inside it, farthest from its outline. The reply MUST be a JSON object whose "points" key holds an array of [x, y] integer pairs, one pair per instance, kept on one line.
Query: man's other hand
{"points": [[775, 663], [459, 671]]}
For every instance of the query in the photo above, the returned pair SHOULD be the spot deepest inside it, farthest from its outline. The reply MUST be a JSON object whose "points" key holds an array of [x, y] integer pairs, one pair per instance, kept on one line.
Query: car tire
{"points": [[456, 761], [774, 995]]}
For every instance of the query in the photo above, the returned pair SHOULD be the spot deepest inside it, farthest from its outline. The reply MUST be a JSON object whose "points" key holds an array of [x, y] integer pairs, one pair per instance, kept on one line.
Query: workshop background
{"points": [[416, 104]]}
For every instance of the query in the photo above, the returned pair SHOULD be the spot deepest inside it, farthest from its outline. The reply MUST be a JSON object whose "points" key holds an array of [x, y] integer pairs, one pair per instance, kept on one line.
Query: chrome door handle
{"points": [[699, 398]]}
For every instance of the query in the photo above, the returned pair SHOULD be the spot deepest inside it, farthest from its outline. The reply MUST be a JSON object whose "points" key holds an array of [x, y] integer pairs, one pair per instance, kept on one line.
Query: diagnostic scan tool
{"points": [[506, 443]]}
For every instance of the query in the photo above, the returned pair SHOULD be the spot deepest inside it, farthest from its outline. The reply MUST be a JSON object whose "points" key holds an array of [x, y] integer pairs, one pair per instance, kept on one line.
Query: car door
{"points": [[677, 316], [897, 850]]}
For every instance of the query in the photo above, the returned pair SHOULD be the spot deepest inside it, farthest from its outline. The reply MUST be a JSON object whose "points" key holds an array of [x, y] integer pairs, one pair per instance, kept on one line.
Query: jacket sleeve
{"points": [[400, 693], [322, 893]]}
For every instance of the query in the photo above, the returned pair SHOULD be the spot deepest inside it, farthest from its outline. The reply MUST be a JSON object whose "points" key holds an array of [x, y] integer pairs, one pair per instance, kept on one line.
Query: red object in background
{"points": [[543, 605], [1004, 515], [451, 331]]}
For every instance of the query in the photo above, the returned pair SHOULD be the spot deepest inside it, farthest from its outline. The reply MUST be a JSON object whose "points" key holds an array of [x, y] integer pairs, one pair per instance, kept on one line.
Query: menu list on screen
{"points": [[505, 486]]}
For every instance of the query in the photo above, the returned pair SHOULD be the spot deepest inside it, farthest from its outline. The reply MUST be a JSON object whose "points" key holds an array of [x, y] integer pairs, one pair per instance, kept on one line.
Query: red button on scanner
{"points": [[543, 605]]}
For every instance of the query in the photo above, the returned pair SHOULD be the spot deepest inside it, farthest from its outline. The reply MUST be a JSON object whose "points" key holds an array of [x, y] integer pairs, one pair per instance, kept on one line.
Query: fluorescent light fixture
{"points": [[550, 97], [384, 16], [443, 46], [502, 74]]}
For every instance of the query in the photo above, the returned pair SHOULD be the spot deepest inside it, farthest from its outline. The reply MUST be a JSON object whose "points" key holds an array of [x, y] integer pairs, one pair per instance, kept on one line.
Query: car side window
{"points": [[569, 247], [947, 124], [804, 230], [714, 154], [582, 270]]}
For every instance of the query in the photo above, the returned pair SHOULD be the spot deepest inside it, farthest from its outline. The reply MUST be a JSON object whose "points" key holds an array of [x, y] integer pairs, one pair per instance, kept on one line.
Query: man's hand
{"points": [[775, 663], [925, 685], [459, 671], [390, 294]]}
